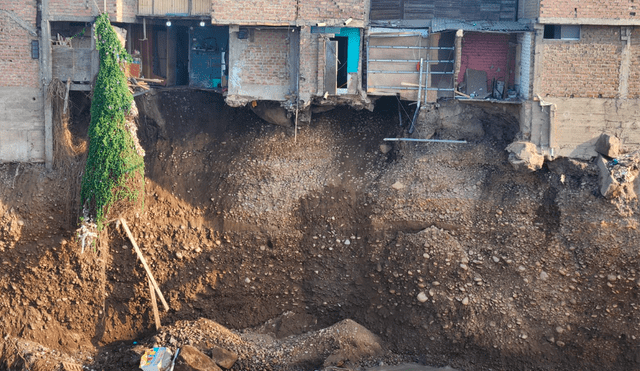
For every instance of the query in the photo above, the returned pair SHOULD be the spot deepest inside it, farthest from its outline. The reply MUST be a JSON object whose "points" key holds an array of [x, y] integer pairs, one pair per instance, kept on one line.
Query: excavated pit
{"points": [[277, 236]]}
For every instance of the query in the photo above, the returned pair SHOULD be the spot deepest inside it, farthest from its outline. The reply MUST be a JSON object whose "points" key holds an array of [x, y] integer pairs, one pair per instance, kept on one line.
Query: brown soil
{"points": [[277, 239]]}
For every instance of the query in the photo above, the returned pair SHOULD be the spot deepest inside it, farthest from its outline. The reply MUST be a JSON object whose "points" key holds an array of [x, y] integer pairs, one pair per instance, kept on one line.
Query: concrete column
{"points": [[45, 76], [525, 64], [538, 59], [625, 62]]}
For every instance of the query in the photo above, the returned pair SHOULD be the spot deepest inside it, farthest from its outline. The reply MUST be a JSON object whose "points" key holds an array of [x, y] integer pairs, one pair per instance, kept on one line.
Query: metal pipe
{"points": [[424, 140], [415, 114]]}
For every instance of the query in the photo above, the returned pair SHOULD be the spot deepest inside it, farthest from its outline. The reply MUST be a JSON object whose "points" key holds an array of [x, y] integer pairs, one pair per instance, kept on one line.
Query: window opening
{"points": [[562, 32]]}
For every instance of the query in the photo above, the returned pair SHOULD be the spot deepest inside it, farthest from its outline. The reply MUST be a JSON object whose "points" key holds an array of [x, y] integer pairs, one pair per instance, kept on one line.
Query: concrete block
{"points": [[524, 156], [608, 145]]}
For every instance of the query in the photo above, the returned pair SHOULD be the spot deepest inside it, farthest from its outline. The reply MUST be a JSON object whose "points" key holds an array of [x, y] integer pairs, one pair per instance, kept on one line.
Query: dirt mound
{"points": [[442, 251]]}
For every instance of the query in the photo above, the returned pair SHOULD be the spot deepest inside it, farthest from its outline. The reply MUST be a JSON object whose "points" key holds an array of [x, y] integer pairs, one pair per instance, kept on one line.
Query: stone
{"points": [[179, 255], [544, 275], [465, 301], [422, 297], [224, 358], [347, 242], [397, 186], [385, 148], [608, 145], [191, 359], [609, 187], [612, 277], [524, 156]]}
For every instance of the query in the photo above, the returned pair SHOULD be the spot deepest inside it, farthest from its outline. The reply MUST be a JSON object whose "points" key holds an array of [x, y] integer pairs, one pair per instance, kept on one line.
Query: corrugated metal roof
{"points": [[443, 24]]}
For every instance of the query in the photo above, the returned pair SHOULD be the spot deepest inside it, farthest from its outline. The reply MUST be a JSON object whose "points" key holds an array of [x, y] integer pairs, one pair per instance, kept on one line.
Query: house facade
{"points": [[570, 66], [586, 80]]}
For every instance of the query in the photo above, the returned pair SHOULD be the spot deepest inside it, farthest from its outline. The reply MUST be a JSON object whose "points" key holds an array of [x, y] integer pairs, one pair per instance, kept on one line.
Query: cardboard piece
{"points": [[476, 83]]}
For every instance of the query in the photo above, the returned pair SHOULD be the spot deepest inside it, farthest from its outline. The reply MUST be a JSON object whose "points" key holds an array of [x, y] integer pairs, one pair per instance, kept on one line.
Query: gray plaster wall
{"points": [[577, 123], [21, 125]]}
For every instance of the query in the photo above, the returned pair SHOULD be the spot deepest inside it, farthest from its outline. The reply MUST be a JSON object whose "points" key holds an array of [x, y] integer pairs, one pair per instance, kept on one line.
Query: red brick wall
{"points": [[286, 11], [328, 10], [586, 68], [487, 52], [16, 66], [265, 59], [253, 11], [119, 10], [622, 9]]}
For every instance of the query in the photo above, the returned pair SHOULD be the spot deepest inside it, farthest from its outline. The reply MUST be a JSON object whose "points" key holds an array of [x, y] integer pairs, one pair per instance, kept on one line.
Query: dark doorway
{"points": [[182, 55], [342, 60]]}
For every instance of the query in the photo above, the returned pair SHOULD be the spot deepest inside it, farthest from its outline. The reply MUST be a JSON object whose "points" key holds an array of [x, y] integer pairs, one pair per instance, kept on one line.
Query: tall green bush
{"points": [[114, 171]]}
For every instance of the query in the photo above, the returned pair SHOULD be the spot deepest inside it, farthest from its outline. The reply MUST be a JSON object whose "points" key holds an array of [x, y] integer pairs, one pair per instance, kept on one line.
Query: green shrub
{"points": [[114, 171]]}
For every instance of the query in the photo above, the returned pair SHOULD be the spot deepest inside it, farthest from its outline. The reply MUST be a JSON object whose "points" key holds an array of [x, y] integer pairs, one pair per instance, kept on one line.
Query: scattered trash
{"points": [[156, 359]]}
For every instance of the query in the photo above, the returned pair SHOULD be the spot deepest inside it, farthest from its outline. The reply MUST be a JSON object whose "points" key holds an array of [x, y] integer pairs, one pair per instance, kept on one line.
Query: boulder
{"points": [[223, 357], [524, 156], [191, 359], [608, 185], [385, 148], [608, 145]]}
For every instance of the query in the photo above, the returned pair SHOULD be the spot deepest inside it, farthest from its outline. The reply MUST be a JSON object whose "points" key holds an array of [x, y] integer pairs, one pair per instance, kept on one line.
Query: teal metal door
{"points": [[209, 47]]}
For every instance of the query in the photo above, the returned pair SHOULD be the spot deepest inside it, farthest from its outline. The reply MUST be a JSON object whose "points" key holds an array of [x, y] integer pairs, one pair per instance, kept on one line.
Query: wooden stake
{"points": [[144, 264], [154, 305]]}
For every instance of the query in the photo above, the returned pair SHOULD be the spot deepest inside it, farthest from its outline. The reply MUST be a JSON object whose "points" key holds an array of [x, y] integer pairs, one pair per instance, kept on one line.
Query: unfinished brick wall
{"points": [[634, 70], [613, 9], [265, 58], [264, 12], [16, 66], [69, 10], [328, 10], [489, 52], [589, 67]]}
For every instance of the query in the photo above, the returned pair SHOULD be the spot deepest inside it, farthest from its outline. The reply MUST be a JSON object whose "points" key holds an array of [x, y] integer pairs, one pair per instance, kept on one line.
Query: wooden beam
{"points": [[154, 305], [144, 264]]}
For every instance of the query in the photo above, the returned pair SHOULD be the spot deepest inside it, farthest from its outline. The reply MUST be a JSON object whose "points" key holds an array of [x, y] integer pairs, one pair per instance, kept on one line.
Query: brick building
{"points": [[586, 75], [21, 93], [477, 48]]}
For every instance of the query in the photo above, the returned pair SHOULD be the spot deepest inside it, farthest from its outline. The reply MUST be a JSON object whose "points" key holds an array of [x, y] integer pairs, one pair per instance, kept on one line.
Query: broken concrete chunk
{"points": [[191, 359], [608, 145], [524, 156], [609, 187], [224, 358]]}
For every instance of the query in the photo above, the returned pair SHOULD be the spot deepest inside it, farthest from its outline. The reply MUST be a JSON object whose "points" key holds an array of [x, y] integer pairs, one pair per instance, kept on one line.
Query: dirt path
{"points": [[463, 262]]}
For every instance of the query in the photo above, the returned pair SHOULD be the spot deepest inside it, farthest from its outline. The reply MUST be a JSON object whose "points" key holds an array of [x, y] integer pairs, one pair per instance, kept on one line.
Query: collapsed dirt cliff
{"points": [[442, 250]]}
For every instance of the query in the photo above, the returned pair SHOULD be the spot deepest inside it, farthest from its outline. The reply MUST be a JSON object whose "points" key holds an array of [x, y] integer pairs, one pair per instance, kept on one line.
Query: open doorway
{"points": [[341, 75], [182, 55]]}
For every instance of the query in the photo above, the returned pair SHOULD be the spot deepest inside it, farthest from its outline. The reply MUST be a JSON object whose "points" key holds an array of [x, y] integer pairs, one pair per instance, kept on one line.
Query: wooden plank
{"points": [[144, 264], [201, 7], [331, 67], [145, 7], [154, 306]]}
